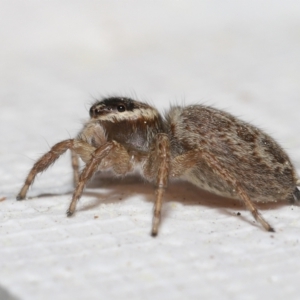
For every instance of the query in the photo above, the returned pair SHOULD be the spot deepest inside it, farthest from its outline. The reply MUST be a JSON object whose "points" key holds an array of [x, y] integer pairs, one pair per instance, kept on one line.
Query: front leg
{"points": [[76, 146], [157, 167], [75, 167], [110, 155]]}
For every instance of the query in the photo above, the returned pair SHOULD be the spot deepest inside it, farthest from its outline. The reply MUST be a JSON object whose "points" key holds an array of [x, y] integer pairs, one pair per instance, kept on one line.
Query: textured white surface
{"points": [[56, 57]]}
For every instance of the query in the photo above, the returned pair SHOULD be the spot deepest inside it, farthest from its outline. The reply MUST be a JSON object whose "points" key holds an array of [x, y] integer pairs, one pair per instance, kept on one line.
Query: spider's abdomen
{"points": [[252, 157]]}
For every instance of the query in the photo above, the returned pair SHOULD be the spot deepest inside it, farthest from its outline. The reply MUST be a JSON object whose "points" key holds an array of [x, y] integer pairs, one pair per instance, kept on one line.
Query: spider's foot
{"points": [[20, 197], [271, 229], [155, 225], [69, 213]]}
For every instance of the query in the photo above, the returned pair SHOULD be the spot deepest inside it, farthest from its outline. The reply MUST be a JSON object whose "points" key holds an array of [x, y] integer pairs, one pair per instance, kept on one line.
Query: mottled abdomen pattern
{"points": [[257, 163]]}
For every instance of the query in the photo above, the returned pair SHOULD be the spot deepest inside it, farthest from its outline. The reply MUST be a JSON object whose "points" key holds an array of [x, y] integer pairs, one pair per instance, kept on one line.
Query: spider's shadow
{"points": [[119, 189], [178, 191]]}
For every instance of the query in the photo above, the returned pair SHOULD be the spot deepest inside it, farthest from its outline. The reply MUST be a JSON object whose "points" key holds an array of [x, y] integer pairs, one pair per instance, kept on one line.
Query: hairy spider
{"points": [[208, 147]]}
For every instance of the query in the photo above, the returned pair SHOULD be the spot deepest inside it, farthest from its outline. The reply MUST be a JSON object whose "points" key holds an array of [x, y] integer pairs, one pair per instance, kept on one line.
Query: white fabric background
{"points": [[56, 58]]}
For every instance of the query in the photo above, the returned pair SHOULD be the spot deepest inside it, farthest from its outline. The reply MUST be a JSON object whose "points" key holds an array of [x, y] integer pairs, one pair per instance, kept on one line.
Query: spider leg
{"points": [[181, 163], [50, 157], [75, 166], [110, 155], [158, 164], [89, 170], [43, 163], [223, 173]]}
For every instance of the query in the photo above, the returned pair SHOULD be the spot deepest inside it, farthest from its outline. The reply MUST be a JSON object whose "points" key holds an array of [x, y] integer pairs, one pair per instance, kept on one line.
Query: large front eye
{"points": [[121, 108]]}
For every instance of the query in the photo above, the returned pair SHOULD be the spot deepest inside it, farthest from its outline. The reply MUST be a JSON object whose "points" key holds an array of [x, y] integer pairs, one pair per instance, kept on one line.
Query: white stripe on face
{"points": [[137, 113]]}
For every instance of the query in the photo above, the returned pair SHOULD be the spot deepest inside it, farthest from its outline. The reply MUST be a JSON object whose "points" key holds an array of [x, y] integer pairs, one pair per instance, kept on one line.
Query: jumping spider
{"points": [[208, 147]]}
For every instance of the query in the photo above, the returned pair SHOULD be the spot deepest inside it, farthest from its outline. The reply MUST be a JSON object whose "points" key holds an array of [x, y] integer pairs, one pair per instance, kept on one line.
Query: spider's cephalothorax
{"points": [[208, 147], [128, 122]]}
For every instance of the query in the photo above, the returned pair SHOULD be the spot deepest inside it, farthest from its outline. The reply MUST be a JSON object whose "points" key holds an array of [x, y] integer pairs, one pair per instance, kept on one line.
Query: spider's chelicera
{"points": [[208, 147]]}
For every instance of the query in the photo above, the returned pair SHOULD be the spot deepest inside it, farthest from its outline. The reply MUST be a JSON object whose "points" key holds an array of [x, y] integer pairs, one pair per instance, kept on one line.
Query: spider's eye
{"points": [[121, 108]]}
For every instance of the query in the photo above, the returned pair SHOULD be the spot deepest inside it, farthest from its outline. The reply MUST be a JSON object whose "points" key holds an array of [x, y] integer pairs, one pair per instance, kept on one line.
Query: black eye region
{"points": [[121, 108], [108, 106]]}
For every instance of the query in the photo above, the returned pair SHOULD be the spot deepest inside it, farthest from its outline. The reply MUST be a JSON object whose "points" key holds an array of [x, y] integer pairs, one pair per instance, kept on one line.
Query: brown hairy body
{"points": [[208, 147]]}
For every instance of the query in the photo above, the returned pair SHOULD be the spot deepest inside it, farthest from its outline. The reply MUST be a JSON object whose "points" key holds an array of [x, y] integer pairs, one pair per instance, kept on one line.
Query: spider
{"points": [[205, 146]]}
